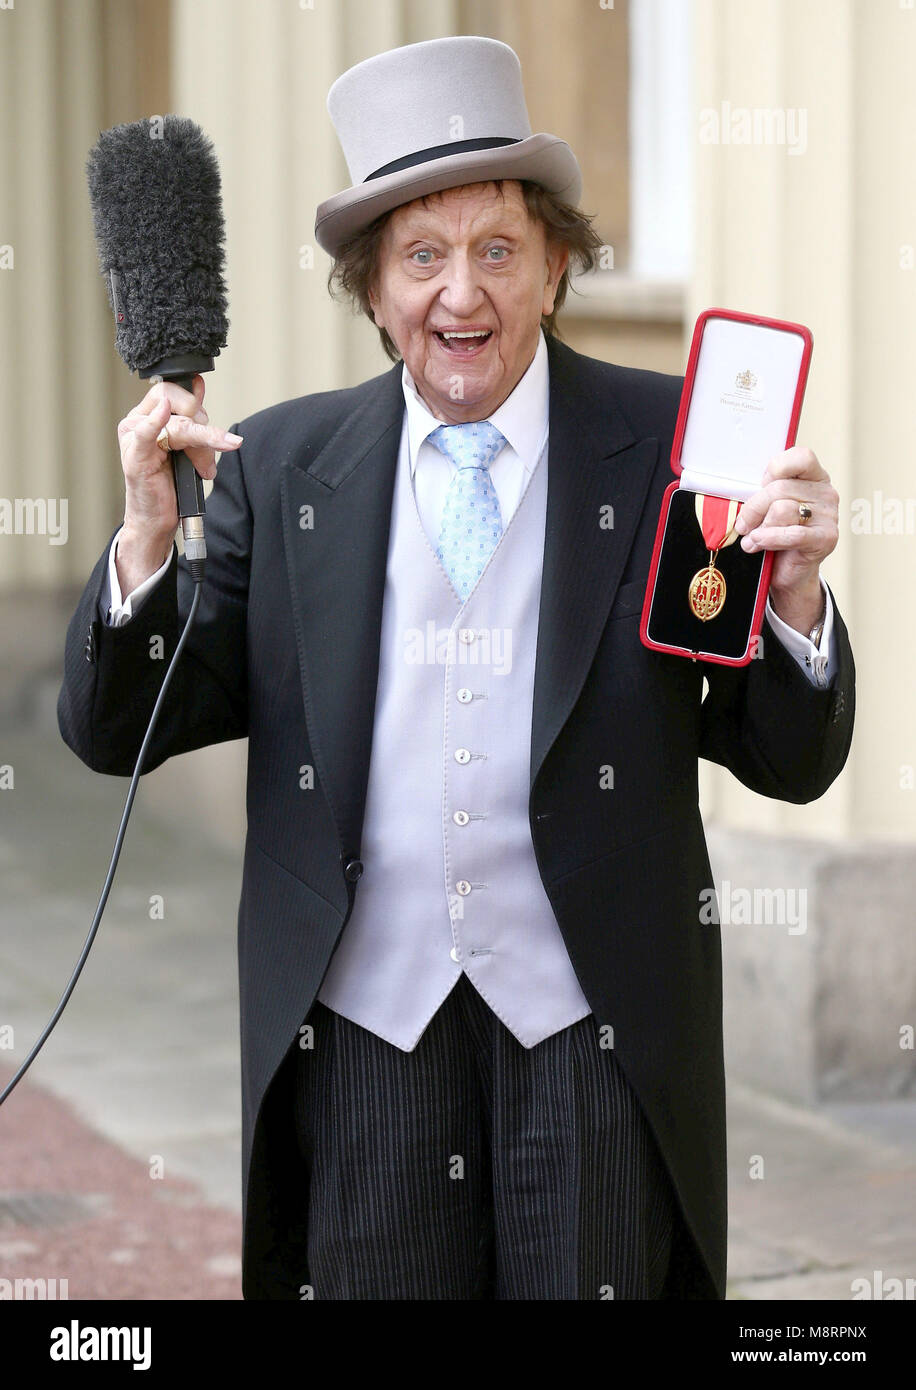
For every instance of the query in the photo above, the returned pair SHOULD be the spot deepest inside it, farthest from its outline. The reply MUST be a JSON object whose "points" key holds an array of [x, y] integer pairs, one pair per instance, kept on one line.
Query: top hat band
{"points": [[440, 152]]}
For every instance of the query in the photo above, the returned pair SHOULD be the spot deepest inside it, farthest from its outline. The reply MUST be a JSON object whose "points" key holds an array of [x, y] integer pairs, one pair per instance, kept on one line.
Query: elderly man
{"points": [[481, 1014]]}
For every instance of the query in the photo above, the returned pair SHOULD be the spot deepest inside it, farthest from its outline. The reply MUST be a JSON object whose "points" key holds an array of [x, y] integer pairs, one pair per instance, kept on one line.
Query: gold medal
{"points": [[707, 591], [717, 516]]}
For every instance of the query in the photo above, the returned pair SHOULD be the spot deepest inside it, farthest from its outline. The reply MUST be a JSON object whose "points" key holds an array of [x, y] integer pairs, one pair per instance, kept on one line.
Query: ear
{"points": [[557, 259], [375, 306]]}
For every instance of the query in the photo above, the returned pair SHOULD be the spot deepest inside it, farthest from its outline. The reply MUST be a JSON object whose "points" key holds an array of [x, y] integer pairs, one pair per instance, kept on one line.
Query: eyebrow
{"points": [[420, 228]]}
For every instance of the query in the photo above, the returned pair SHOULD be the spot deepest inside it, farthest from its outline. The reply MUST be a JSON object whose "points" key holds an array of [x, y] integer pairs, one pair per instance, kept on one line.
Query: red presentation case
{"points": [[740, 405]]}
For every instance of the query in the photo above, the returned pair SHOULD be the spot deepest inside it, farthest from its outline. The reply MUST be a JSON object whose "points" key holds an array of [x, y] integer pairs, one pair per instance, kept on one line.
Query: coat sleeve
{"points": [[112, 675], [780, 734]]}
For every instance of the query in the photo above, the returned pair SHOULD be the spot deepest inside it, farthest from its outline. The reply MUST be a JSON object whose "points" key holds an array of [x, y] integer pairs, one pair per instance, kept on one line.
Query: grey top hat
{"points": [[431, 116]]}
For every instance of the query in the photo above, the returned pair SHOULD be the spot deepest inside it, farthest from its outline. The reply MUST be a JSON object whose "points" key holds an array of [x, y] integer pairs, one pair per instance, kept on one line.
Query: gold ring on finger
{"points": [[804, 513], [162, 439]]}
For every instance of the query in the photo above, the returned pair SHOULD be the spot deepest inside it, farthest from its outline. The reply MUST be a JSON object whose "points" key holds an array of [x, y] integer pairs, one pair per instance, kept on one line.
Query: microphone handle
{"points": [[189, 485], [189, 493]]}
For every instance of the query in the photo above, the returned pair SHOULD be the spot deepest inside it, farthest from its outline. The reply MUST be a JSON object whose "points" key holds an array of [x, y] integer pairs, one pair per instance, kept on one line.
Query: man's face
{"points": [[469, 262]]}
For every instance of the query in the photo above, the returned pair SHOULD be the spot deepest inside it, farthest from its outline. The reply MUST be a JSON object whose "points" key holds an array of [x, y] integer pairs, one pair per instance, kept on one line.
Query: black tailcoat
{"points": [[286, 650]]}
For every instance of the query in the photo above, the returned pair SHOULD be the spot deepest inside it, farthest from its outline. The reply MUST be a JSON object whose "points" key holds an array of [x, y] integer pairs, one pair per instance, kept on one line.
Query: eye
{"points": [[422, 256], [497, 253]]}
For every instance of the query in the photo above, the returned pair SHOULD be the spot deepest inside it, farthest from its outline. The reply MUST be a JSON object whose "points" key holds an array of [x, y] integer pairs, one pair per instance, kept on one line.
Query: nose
{"points": [[461, 292]]}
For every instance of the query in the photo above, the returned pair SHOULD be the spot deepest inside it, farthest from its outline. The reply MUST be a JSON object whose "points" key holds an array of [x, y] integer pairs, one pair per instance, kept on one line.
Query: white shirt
{"points": [[522, 419]]}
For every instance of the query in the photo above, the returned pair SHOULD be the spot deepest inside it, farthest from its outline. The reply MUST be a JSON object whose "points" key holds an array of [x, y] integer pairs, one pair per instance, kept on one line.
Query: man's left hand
{"points": [[770, 520]]}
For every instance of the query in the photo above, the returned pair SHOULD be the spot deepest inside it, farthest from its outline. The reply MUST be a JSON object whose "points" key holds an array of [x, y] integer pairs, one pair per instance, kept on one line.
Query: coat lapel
{"points": [[336, 519], [594, 462]]}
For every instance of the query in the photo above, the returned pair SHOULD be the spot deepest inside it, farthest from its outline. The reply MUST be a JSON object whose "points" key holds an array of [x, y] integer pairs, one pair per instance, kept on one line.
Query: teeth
{"points": [[477, 333]]}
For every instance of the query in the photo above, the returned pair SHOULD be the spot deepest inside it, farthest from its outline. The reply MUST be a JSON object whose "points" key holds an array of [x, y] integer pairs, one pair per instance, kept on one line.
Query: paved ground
{"points": [[77, 1207], [132, 1107], [143, 1068], [836, 1203]]}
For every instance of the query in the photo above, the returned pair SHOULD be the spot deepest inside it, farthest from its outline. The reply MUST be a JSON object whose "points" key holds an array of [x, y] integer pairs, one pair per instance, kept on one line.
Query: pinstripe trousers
{"points": [[475, 1168]]}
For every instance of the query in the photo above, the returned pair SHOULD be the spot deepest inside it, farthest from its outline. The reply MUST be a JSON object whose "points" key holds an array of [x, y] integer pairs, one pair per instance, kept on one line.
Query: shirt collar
{"points": [[522, 417]]}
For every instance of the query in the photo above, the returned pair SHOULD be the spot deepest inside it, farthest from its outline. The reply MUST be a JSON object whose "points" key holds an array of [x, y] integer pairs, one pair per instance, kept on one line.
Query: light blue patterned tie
{"points": [[471, 520]]}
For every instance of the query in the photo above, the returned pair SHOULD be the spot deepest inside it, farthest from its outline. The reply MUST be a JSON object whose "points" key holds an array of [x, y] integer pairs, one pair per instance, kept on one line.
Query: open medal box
{"points": [[739, 407]]}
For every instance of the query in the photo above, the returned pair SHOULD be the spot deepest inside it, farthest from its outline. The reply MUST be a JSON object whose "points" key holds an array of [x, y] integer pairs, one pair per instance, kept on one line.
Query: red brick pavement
{"points": [[140, 1237]]}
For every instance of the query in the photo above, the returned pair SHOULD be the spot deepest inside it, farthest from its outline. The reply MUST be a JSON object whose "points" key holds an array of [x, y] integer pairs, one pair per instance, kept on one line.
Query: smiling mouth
{"points": [[464, 342]]}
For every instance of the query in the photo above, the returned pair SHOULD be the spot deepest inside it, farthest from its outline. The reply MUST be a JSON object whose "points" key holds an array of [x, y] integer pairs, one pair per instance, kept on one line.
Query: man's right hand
{"points": [[150, 509]]}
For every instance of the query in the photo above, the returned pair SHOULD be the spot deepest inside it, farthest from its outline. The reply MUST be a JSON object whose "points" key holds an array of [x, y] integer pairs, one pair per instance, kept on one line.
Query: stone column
{"points": [[815, 221]]}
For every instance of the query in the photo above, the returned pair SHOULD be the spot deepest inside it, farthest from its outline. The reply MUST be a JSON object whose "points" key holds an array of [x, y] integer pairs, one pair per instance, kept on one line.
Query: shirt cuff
{"points": [[117, 610], [814, 660]]}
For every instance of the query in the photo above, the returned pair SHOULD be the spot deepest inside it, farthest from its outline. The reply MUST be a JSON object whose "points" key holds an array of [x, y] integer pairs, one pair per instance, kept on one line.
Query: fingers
{"points": [[781, 528], [183, 402], [797, 462], [784, 511], [149, 502], [769, 520], [144, 426], [777, 504], [814, 541], [180, 402], [187, 434], [180, 412]]}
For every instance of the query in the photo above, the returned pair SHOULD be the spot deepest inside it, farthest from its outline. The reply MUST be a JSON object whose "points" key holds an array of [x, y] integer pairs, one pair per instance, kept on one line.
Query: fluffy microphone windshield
{"points": [[154, 187]]}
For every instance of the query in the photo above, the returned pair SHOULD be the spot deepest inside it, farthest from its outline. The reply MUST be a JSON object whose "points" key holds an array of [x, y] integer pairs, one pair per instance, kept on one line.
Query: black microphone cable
{"points": [[197, 572]]}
